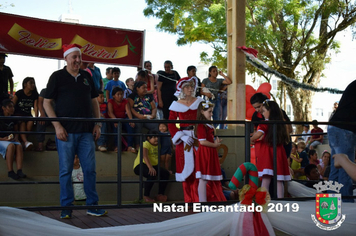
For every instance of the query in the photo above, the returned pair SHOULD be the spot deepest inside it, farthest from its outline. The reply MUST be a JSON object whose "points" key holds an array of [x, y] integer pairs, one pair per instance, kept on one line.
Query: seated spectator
{"points": [[115, 82], [25, 99], [102, 140], [312, 172], [228, 193], [305, 160], [10, 148], [130, 82], [295, 162], [41, 125], [150, 168], [143, 75], [118, 107], [142, 107], [166, 147], [306, 132], [316, 139], [78, 176], [325, 165], [313, 159]]}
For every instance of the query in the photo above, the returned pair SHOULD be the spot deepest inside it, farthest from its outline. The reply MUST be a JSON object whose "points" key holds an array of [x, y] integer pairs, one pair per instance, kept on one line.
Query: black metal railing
{"points": [[246, 124]]}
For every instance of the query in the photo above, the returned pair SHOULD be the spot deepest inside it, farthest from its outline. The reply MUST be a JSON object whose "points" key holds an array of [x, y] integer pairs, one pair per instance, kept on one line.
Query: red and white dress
{"points": [[264, 153], [207, 164], [184, 158]]}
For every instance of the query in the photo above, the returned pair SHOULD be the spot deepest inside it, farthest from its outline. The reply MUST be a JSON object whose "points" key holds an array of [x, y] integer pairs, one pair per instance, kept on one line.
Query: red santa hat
{"points": [[184, 80], [68, 48]]}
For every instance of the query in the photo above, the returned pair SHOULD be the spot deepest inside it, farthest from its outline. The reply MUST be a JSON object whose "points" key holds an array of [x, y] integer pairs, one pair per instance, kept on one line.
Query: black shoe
{"points": [[21, 174], [13, 175]]}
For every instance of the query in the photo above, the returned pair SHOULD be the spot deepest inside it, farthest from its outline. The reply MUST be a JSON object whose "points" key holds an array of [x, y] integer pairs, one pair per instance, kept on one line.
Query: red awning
{"points": [[43, 38]]}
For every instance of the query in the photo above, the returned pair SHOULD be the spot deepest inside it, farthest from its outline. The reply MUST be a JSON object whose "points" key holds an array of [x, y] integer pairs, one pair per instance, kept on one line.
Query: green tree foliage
{"points": [[193, 21], [5, 4], [294, 37]]}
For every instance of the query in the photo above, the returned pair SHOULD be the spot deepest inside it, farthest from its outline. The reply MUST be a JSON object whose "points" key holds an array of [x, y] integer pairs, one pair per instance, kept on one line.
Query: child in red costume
{"points": [[264, 148], [185, 109], [207, 164]]}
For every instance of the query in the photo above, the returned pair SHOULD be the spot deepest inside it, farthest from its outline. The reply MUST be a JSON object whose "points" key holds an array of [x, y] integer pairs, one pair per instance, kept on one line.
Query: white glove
{"points": [[188, 140]]}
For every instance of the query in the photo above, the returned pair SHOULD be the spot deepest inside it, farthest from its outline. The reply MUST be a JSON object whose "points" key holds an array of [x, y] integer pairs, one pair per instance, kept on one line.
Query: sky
{"points": [[159, 46]]}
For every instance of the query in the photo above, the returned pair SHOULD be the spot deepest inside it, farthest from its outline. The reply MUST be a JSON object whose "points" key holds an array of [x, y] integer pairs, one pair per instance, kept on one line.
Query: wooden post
{"points": [[235, 23]]}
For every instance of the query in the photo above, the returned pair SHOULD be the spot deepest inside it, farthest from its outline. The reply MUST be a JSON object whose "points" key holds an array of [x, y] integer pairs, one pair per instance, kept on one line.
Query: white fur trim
{"points": [[199, 175], [188, 157], [210, 126], [176, 138], [188, 166], [270, 172], [261, 131], [73, 49], [179, 107]]}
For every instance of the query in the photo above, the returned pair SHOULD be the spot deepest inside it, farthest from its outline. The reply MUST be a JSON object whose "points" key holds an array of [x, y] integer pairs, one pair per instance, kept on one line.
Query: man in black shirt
{"points": [[5, 77], [74, 94], [166, 87]]}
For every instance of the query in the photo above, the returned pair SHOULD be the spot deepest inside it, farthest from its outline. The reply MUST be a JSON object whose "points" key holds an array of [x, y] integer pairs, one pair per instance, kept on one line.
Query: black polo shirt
{"points": [[5, 75], [346, 110], [73, 97]]}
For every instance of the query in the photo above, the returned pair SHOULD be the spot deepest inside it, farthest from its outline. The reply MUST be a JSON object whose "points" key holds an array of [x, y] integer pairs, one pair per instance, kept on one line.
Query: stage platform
{"points": [[138, 221]]}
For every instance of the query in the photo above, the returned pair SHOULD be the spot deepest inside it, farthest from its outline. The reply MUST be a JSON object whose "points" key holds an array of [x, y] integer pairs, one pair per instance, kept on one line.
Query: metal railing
{"points": [[246, 124]]}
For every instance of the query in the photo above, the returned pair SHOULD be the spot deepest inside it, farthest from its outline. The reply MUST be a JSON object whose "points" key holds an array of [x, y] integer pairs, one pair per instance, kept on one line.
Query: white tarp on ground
{"points": [[16, 222]]}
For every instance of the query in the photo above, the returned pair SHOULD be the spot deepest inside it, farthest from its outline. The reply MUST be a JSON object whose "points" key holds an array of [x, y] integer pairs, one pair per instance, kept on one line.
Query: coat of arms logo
{"points": [[328, 206]]}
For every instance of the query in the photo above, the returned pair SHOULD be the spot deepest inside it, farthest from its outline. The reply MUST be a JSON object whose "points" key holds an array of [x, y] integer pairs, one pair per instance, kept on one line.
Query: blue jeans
{"points": [[216, 111], [83, 145], [128, 130], [342, 141], [103, 138]]}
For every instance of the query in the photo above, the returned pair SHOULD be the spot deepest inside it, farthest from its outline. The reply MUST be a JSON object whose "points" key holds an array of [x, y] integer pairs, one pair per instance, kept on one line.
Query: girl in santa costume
{"points": [[183, 137], [207, 164], [264, 148]]}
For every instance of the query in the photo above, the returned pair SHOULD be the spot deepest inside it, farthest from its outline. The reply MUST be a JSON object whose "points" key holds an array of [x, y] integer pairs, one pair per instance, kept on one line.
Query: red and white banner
{"points": [[43, 38]]}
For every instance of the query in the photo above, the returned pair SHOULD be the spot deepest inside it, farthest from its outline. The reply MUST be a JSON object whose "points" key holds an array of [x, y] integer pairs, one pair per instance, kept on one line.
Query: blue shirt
{"points": [[127, 92], [112, 84]]}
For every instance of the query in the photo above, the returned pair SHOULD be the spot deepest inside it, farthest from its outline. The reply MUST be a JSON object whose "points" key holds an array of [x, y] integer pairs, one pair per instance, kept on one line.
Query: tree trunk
{"points": [[302, 100]]}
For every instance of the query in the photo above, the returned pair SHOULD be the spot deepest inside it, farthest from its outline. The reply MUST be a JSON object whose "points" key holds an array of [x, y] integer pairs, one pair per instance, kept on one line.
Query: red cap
{"points": [[68, 48]]}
